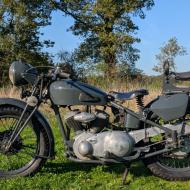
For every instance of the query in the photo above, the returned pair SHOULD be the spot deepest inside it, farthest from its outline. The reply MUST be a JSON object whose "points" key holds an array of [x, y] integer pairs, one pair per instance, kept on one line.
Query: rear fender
{"points": [[38, 115]]}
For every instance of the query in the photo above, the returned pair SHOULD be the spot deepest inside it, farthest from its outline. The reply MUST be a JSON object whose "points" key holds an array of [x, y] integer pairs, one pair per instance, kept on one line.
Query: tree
{"points": [[69, 64], [169, 52], [20, 21], [107, 29]]}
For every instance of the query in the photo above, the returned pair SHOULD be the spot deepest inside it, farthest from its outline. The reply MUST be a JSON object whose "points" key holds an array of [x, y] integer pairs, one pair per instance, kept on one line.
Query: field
{"points": [[63, 174]]}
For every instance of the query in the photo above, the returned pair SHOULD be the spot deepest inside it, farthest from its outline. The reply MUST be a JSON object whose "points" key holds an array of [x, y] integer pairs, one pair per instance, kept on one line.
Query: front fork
{"points": [[33, 103]]}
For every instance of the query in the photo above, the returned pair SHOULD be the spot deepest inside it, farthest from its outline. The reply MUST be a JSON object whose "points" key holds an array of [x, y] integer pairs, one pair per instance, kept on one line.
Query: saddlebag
{"points": [[170, 107]]}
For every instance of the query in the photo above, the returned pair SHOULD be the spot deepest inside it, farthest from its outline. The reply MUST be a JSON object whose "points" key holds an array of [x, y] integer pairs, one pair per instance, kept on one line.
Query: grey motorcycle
{"points": [[158, 134]]}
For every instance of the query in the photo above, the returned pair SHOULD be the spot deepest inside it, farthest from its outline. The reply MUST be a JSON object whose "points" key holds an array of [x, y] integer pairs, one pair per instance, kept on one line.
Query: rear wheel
{"points": [[22, 158], [173, 165], [170, 166]]}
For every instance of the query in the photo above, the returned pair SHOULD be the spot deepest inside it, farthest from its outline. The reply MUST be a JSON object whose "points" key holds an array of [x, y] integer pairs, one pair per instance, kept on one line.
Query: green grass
{"points": [[63, 174]]}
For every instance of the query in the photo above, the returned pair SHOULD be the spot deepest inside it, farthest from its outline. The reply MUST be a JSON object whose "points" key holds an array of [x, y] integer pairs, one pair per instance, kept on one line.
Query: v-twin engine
{"points": [[103, 145]]}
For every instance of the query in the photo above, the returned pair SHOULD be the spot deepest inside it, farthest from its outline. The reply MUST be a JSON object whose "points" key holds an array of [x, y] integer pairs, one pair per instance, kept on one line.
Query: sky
{"points": [[168, 18]]}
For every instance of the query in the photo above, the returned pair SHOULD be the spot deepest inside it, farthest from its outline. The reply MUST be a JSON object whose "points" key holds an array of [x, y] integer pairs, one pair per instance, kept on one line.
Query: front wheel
{"points": [[22, 158]]}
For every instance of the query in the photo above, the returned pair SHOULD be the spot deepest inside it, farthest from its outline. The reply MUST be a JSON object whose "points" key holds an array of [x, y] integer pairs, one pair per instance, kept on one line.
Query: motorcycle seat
{"points": [[122, 96], [182, 76]]}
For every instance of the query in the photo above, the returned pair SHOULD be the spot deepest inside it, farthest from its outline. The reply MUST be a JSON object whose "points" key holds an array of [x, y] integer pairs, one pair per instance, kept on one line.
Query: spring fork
{"points": [[17, 128]]}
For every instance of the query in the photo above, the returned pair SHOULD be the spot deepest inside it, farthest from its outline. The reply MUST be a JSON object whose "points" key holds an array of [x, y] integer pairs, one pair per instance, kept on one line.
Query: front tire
{"points": [[22, 159]]}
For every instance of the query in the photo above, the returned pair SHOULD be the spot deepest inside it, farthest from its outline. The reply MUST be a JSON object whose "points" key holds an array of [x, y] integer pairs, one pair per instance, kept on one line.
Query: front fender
{"points": [[38, 115]]}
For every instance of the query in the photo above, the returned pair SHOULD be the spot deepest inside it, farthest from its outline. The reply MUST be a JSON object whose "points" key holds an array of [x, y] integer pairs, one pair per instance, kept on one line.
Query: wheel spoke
{"points": [[29, 146]]}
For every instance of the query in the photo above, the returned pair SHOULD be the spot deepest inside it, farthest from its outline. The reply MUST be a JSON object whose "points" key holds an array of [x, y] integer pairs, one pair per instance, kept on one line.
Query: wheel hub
{"points": [[4, 138], [184, 151]]}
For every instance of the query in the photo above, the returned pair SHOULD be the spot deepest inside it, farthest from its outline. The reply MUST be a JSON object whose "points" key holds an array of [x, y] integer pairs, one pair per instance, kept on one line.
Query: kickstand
{"points": [[126, 172]]}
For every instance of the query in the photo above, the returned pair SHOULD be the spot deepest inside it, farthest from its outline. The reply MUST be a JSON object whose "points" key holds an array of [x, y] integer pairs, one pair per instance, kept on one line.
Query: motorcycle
{"points": [[158, 134]]}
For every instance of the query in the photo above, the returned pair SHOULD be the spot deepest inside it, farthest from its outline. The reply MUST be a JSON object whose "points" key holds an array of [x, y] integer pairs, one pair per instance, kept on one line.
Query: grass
{"points": [[63, 174]]}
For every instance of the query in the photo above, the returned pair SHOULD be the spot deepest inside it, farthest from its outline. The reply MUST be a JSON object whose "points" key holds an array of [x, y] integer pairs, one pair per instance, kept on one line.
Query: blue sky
{"points": [[168, 18]]}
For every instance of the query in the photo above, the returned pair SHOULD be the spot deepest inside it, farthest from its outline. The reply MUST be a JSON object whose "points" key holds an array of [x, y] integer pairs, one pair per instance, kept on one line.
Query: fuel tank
{"points": [[72, 92]]}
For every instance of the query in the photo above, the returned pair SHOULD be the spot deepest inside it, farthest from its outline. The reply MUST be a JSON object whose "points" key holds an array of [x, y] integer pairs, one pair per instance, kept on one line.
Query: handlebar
{"points": [[53, 72], [63, 75], [185, 76], [57, 73]]}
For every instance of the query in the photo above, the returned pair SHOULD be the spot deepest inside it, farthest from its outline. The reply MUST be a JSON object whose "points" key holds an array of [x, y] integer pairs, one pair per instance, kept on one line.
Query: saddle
{"points": [[122, 96]]}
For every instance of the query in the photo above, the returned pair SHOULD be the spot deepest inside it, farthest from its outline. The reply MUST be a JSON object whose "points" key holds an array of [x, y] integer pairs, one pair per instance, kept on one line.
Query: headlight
{"points": [[18, 75]]}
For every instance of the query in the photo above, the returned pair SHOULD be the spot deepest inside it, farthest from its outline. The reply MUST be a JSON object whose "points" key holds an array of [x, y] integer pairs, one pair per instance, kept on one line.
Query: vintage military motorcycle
{"points": [[158, 134]]}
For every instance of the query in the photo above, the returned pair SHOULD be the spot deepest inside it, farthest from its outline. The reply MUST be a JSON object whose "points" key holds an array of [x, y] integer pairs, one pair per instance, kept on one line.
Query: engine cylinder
{"points": [[71, 123]]}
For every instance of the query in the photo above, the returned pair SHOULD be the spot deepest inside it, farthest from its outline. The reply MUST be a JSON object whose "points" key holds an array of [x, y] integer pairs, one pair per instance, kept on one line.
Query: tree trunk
{"points": [[110, 62]]}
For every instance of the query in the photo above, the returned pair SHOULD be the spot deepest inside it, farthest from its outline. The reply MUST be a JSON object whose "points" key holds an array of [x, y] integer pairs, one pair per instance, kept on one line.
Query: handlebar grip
{"points": [[63, 75]]}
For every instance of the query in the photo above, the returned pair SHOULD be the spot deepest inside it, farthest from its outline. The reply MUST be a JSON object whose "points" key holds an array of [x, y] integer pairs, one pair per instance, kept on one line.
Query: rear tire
{"points": [[168, 173], [15, 165]]}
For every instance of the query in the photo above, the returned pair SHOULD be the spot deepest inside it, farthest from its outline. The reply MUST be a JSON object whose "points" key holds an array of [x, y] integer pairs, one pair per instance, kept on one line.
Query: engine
{"points": [[90, 142], [103, 145]]}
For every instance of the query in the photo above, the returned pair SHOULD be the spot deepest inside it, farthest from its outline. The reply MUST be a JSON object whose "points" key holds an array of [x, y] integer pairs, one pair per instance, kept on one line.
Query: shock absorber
{"points": [[140, 102]]}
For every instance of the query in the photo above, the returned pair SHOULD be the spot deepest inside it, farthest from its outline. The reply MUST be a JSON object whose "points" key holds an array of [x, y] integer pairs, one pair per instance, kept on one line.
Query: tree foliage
{"points": [[169, 52], [69, 63], [107, 29], [20, 21]]}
